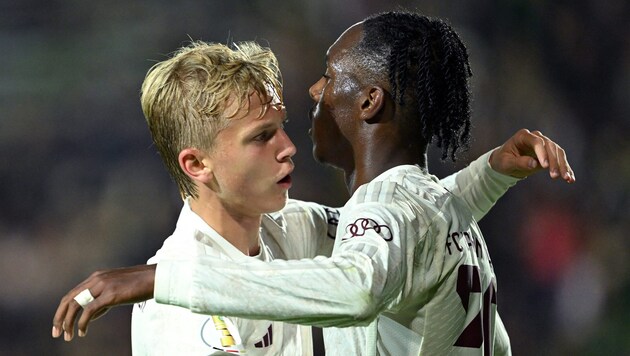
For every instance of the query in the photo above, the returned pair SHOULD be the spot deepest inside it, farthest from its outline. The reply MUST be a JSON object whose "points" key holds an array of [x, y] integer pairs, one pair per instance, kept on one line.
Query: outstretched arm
{"points": [[351, 285], [486, 179]]}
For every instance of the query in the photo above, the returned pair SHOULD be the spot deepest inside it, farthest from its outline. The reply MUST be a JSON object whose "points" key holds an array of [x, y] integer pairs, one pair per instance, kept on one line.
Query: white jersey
{"points": [[426, 271], [410, 272], [159, 329]]}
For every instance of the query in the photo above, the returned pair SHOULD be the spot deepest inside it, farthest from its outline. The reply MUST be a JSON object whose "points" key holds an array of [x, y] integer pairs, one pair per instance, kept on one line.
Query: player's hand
{"points": [[527, 152], [109, 288]]}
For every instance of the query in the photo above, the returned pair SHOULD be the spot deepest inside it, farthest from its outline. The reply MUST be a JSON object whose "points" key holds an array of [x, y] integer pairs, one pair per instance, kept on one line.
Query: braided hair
{"points": [[426, 67]]}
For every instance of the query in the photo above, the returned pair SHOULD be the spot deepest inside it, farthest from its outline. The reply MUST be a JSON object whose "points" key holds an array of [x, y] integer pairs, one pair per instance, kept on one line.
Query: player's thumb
{"points": [[526, 165]]}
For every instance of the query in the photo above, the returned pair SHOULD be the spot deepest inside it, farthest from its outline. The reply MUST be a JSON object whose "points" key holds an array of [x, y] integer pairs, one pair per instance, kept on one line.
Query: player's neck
{"points": [[240, 230], [373, 162]]}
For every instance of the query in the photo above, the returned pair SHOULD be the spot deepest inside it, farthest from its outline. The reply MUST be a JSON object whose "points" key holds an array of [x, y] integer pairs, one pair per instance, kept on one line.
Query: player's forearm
{"points": [[479, 185], [323, 292]]}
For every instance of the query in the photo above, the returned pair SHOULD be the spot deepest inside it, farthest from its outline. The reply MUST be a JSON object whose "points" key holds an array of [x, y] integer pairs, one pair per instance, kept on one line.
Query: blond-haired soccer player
{"points": [[216, 116], [395, 234]]}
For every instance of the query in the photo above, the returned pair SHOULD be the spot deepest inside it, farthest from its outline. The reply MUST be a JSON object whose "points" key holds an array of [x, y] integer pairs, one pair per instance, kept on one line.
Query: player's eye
{"points": [[264, 136]]}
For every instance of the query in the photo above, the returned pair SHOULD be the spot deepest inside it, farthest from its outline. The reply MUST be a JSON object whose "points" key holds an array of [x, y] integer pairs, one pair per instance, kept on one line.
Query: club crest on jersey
{"points": [[360, 226]]}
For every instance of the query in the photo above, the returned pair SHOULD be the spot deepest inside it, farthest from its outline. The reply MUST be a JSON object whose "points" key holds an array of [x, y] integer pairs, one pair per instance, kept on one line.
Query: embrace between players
{"points": [[398, 276]]}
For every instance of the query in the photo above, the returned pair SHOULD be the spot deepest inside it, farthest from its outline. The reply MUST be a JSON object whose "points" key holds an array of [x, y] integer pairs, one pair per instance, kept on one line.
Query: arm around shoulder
{"points": [[479, 185]]}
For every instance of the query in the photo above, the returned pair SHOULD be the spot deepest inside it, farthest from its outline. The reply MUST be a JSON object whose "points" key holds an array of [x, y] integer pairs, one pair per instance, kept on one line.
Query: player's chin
{"points": [[318, 155], [277, 203]]}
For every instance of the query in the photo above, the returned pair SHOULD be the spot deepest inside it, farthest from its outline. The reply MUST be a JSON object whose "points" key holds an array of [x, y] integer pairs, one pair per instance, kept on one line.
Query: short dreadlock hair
{"points": [[425, 64]]}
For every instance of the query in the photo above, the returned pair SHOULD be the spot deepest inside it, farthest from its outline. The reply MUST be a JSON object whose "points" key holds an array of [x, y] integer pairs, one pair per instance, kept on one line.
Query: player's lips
{"points": [[285, 181]]}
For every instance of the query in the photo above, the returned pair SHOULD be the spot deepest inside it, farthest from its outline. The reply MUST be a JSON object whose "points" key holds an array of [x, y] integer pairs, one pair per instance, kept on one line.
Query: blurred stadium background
{"points": [[82, 188]]}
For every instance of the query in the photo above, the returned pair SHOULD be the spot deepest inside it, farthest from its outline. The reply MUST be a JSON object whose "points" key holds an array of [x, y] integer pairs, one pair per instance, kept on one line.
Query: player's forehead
{"points": [[260, 111], [349, 39], [261, 103], [253, 103]]}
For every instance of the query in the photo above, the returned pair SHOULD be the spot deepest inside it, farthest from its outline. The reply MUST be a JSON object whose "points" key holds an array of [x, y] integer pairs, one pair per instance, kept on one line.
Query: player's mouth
{"points": [[285, 182]]}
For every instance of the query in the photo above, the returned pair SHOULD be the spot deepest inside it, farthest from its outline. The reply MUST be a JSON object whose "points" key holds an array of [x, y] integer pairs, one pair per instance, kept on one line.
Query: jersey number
{"points": [[477, 332]]}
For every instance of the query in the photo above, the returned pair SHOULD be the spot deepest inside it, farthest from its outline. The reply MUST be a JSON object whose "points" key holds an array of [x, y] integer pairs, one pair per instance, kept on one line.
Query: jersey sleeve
{"points": [[478, 185], [348, 289]]}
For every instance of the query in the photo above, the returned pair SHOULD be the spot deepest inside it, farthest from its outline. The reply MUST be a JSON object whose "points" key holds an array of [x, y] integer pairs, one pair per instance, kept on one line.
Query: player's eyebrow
{"points": [[263, 127], [270, 124], [280, 107]]}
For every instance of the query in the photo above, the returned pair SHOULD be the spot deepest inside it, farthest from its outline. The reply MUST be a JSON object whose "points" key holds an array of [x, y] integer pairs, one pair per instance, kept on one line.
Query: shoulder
{"points": [[405, 193], [382, 191], [295, 206], [302, 212], [400, 184]]}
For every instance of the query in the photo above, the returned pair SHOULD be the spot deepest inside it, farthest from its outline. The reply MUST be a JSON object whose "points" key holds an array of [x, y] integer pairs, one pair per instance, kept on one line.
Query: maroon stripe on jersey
{"points": [[267, 339]]}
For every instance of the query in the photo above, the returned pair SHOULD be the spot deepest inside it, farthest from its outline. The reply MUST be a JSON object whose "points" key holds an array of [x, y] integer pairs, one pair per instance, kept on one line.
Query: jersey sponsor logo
{"points": [[362, 225]]}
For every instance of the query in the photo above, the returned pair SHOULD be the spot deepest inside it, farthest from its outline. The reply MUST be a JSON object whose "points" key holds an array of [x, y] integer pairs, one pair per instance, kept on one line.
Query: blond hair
{"points": [[189, 98]]}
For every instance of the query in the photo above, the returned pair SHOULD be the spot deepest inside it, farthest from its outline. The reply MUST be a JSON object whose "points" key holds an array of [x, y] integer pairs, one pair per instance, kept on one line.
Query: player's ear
{"points": [[372, 101], [196, 164]]}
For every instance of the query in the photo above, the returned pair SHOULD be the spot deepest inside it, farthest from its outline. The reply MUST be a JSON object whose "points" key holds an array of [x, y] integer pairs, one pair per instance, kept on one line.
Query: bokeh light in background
{"points": [[82, 188]]}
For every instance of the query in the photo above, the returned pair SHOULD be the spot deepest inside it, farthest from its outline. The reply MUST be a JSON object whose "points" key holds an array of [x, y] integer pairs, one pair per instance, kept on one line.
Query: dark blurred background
{"points": [[82, 188]]}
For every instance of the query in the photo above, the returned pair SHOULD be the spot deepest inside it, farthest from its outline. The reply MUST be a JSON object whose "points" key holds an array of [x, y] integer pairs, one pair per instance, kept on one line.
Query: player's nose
{"points": [[288, 148], [315, 91]]}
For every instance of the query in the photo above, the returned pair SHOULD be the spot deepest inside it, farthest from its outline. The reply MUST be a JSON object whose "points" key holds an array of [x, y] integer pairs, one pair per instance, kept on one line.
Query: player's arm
{"points": [[486, 179], [365, 275], [344, 290]]}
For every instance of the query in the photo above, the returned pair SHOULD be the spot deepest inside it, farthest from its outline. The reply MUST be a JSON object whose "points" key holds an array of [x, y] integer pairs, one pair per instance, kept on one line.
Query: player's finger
{"points": [[82, 331], [527, 164], [66, 306], [538, 144], [565, 167], [60, 314], [531, 145], [551, 149], [92, 311], [69, 319]]}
